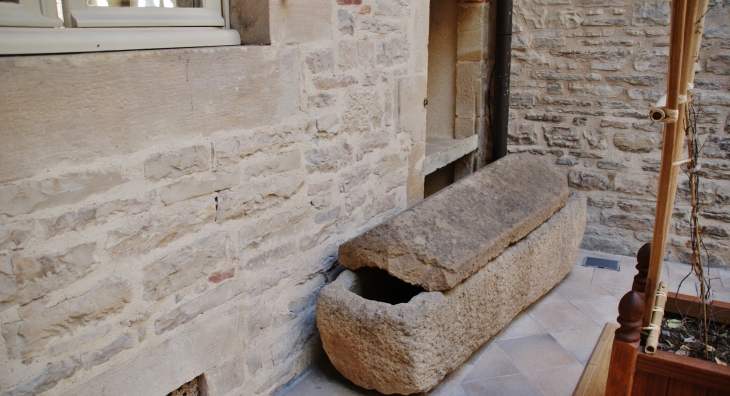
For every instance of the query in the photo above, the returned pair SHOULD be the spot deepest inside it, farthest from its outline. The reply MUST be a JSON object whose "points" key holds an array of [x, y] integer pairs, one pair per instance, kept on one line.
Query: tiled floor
{"points": [[544, 349]]}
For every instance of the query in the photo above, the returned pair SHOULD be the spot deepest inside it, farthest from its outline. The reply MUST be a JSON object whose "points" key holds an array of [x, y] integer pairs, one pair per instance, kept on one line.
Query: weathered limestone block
{"points": [[444, 240], [253, 197], [392, 51], [409, 347], [264, 95], [229, 152], [34, 276], [650, 14], [178, 163], [182, 267], [345, 22], [280, 163], [300, 21], [16, 235], [29, 196], [192, 309], [634, 143], [93, 215], [328, 159], [193, 187], [652, 60], [522, 133], [38, 323]]}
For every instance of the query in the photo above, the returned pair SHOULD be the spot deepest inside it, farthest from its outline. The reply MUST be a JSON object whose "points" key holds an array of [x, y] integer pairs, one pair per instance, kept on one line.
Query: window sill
{"points": [[25, 41], [443, 151]]}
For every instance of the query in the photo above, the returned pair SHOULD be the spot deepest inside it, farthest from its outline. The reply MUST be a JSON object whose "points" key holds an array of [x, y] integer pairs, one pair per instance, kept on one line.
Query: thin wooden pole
{"points": [[673, 133]]}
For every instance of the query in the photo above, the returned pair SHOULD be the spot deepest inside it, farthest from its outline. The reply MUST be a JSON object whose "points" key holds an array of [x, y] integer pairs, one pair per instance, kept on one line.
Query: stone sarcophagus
{"points": [[428, 287]]}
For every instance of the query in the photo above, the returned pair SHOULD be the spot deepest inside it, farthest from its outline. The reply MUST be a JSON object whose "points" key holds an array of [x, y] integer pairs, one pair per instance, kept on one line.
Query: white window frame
{"points": [[79, 14], [33, 27], [30, 13]]}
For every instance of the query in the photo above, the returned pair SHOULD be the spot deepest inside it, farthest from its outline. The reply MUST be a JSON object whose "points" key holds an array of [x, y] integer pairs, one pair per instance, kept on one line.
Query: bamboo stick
{"points": [[667, 178], [694, 24], [656, 319]]}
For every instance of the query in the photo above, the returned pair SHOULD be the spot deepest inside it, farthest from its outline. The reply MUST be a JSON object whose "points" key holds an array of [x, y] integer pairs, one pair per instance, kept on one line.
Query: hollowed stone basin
{"points": [[384, 334]]}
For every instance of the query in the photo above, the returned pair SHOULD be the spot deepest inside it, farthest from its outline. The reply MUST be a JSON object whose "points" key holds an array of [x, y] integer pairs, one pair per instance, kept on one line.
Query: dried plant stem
{"points": [[693, 151]]}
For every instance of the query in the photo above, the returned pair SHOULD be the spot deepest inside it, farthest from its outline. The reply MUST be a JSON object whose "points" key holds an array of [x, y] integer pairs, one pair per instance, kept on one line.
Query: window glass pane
{"points": [[59, 9], [146, 3]]}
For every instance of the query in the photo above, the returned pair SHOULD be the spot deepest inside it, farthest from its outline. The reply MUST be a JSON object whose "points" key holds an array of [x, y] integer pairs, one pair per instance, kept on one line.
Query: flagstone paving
{"points": [[544, 349]]}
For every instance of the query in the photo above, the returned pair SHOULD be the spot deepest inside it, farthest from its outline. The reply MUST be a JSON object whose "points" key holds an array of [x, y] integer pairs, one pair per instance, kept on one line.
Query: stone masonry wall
{"points": [[584, 76], [166, 214]]}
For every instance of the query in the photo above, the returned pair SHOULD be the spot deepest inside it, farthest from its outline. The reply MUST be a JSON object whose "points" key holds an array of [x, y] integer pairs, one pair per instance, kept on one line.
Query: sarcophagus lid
{"points": [[452, 234]]}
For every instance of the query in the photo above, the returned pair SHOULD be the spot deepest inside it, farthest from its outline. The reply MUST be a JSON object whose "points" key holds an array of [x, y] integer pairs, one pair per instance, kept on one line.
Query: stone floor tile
{"points": [[601, 310], [521, 326], [559, 317], [613, 279], [559, 381], [580, 274], [535, 352], [677, 272], [317, 384], [721, 293], [329, 373], [573, 291], [687, 287], [550, 297], [580, 342], [459, 391], [512, 385], [494, 363], [447, 385], [724, 277], [618, 293]]}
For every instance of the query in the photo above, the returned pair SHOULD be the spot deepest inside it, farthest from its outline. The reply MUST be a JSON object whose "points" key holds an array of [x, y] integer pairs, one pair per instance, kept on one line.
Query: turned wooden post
{"points": [[627, 338], [642, 265], [625, 345]]}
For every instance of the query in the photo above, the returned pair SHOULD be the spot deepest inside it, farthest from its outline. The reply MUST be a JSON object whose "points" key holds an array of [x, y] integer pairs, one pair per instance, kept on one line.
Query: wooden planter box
{"points": [[619, 366], [659, 374]]}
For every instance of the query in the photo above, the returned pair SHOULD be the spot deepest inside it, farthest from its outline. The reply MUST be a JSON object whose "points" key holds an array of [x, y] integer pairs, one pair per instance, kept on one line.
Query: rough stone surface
{"points": [[371, 343], [248, 199], [34, 276], [523, 192], [91, 359], [199, 306], [232, 150], [179, 269], [46, 380], [95, 215], [193, 187], [178, 163], [601, 65], [147, 233], [26, 197], [181, 190], [39, 324]]}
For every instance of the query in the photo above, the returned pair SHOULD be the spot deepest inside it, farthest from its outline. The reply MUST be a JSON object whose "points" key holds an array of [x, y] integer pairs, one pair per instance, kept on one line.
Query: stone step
{"points": [[451, 235]]}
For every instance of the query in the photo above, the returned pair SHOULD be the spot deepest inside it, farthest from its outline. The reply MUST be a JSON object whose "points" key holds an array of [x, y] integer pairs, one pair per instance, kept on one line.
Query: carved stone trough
{"points": [[460, 266]]}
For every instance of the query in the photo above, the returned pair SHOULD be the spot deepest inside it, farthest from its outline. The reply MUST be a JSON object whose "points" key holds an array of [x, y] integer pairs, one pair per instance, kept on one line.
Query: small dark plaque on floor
{"points": [[601, 263]]}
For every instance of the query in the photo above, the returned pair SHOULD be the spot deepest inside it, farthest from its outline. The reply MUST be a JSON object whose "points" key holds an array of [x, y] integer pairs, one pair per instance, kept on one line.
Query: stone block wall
{"points": [[584, 76], [174, 213]]}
